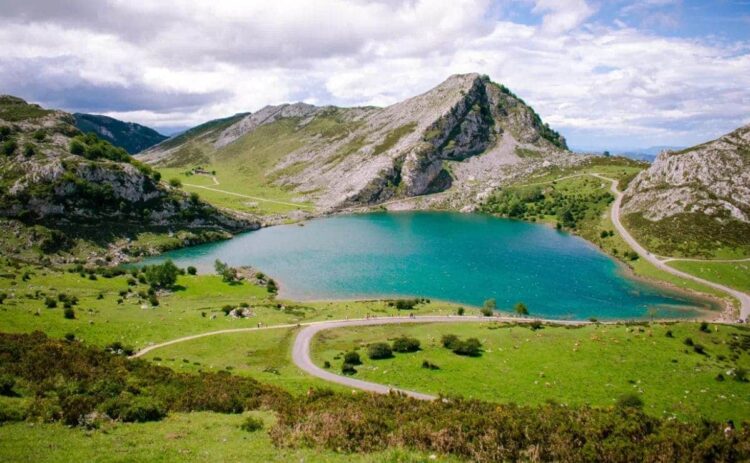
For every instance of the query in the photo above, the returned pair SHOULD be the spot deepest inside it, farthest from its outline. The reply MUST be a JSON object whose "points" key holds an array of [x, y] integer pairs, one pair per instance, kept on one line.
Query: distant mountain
{"points": [[694, 201], [462, 138], [130, 136]]}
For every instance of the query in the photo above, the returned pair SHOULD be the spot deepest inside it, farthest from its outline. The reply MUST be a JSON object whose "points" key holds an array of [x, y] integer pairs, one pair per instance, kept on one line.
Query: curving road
{"points": [[661, 264]]}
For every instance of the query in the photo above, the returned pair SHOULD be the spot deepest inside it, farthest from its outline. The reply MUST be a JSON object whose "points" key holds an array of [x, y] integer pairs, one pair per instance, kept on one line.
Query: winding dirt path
{"points": [[255, 198]]}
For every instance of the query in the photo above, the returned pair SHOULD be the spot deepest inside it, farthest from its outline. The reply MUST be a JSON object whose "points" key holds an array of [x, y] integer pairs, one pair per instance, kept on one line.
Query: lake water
{"points": [[464, 258]]}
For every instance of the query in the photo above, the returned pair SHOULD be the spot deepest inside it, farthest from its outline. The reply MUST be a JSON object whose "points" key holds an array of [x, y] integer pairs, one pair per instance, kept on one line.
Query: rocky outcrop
{"points": [[712, 179], [56, 175]]}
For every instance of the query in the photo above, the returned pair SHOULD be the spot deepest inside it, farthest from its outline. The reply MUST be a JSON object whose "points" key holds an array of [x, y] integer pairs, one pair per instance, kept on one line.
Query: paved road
{"points": [[301, 349], [659, 263]]}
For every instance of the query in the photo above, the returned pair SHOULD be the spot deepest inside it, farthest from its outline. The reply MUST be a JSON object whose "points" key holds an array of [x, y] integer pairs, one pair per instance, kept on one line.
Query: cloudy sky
{"points": [[608, 74]]}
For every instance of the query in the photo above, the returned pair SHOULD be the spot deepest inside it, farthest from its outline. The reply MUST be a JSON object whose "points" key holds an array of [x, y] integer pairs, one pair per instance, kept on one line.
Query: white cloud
{"points": [[189, 61]]}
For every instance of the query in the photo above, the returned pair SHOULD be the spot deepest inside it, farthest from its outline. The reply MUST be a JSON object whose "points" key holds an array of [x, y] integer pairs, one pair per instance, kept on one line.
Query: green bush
{"points": [[379, 350], [252, 424], [175, 183], [406, 304], [405, 344], [629, 401], [521, 309], [13, 410], [162, 275], [429, 365], [9, 147], [50, 303], [192, 270], [134, 409], [460, 311], [69, 313], [348, 369], [470, 348], [449, 341], [352, 358], [271, 286]]}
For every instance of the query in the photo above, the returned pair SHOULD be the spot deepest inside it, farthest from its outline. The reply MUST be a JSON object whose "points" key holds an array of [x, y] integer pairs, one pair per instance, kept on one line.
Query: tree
{"points": [[77, 148], [352, 358], [175, 183], [521, 308], [69, 313], [192, 270], [490, 304], [271, 286], [449, 341], [460, 311], [162, 276], [379, 350], [606, 154], [228, 274]]}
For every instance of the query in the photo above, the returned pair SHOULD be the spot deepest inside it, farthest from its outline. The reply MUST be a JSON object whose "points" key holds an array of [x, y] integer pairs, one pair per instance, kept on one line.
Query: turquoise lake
{"points": [[464, 258]]}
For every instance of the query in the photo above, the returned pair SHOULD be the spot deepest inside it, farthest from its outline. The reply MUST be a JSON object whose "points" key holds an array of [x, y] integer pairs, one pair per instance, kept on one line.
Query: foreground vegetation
{"points": [[50, 380], [682, 370]]}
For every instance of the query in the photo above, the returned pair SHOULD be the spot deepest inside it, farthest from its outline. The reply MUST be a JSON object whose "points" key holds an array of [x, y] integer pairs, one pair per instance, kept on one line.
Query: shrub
{"points": [[131, 281], [69, 313], [405, 344], [470, 348], [7, 382], [29, 150], [175, 183], [348, 369], [326, 364], [70, 337], [252, 424], [77, 148], [352, 358], [9, 147], [271, 286], [192, 270], [227, 309], [449, 341], [379, 350], [429, 365], [629, 401], [669, 334], [536, 325], [486, 311], [460, 311], [688, 341], [699, 349], [704, 327], [3, 297], [406, 304], [134, 409], [50, 303], [153, 300], [490, 304]]}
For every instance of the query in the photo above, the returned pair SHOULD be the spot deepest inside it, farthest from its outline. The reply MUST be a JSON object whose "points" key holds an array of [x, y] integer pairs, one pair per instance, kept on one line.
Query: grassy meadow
{"points": [[592, 365]]}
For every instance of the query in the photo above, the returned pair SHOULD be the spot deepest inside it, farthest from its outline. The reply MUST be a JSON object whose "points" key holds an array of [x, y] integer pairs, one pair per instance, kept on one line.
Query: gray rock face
{"points": [[711, 179]]}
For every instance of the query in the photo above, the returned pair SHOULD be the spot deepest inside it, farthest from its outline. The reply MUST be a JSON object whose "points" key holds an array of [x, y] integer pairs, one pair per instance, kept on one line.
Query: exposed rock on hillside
{"points": [[52, 175], [703, 190], [129, 136], [462, 137]]}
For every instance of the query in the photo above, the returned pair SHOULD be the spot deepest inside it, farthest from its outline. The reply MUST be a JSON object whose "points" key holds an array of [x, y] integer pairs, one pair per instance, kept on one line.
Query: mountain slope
{"points": [[695, 201], [130, 136], [462, 137], [79, 186]]}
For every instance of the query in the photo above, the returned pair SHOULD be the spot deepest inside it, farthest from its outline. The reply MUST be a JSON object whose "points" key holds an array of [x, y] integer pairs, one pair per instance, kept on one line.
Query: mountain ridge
{"points": [[130, 136], [464, 133]]}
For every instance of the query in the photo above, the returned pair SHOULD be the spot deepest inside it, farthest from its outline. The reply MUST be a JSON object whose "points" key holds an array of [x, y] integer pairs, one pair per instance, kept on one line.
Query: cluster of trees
{"points": [[532, 203], [379, 351], [470, 347]]}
